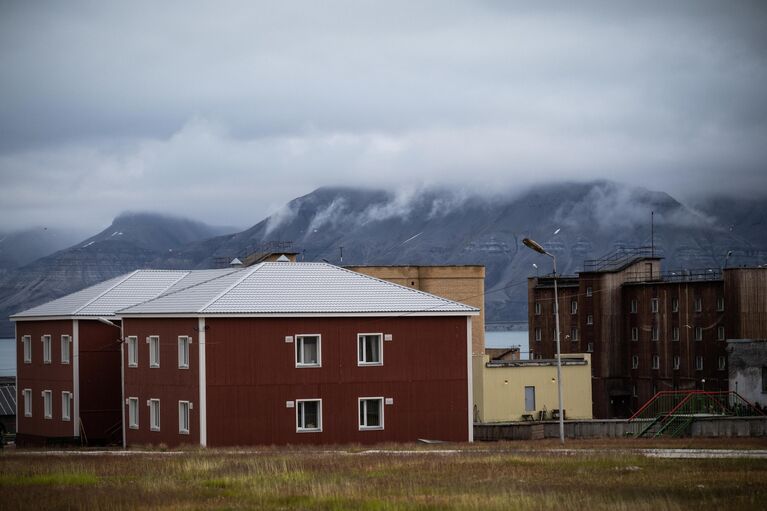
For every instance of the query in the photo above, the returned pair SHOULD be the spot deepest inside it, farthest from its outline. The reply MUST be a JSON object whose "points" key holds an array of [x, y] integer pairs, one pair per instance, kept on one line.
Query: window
{"points": [[369, 349], [26, 341], [574, 334], [133, 412], [154, 414], [722, 363], [590, 347], [183, 417], [154, 350], [698, 304], [46, 349], [308, 415], [677, 361], [538, 334], [133, 351], [574, 307], [27, 402], [720, 304], [656, 361], [675, 305], [308, 351], [675, 333], [66, 406], [633, 306], [655, 333], [529, 399], [589, 291], [720, 333], [589, 319], [698, 333], [699, 362], [654, 305], [371, 413], [634, 333], [183, 351], [48, 404], [634, 362], [634, 391], [65, 341], [537, 308]]}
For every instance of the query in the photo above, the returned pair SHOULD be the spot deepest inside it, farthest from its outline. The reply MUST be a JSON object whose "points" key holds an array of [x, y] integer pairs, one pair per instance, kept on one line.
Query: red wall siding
{"points": [[100, 381], [251, 374], [37, 376], [167, 383]]}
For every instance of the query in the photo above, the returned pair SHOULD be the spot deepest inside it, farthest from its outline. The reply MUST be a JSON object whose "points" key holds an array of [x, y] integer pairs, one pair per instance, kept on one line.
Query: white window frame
{"points": [[634, 333], [634, 361], [720, 333], [698, 304], [537, 308], [154, 414], [634, 306], [27, 402], [720, 304], [656, 361], [47, 349], [538, 334], [677, 362], [674, 333], [301, 416], [722, 363], [154, 351], [654, 305], [574, 334], [590, 319], [361, 350], [589, 291], [66, 352], [699, 362], [698, 333], [590, 347], [299, 350], [363, 417], [132, 351], [26, 342], [133, 413], [655, 333], [66, 406], [675, 305], [184, 417], [184, 342], [48, 404], [574, 307]]}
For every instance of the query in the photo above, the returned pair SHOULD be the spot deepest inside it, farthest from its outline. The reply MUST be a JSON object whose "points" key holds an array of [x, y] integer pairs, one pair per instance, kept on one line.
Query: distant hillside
{"points": [[435, 226], [134, 240], [18, 248]]}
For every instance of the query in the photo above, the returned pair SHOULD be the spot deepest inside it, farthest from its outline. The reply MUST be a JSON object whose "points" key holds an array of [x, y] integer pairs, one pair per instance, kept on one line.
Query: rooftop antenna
{"points": [[652, 233], [341, 248]]}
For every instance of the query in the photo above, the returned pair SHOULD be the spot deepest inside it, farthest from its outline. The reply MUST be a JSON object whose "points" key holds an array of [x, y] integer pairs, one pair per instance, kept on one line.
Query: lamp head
{"points": [[533, 245]]}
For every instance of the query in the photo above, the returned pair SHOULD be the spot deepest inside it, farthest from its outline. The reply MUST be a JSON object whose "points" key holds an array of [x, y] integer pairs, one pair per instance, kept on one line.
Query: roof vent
{"points": [[283, 259], [235, 262]]}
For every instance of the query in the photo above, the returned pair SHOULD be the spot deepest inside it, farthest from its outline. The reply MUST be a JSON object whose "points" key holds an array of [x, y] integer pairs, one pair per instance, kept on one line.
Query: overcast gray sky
{"points": [[222, 111]]}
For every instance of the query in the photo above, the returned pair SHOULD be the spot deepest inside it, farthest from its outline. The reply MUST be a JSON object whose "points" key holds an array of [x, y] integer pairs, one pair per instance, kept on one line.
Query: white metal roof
{"points": [[103, 299], [273, 288]]}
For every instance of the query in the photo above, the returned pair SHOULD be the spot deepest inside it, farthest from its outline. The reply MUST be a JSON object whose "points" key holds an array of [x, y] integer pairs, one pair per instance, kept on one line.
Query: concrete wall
{"points": [[747, 359], [464, 284], [499, 394]]}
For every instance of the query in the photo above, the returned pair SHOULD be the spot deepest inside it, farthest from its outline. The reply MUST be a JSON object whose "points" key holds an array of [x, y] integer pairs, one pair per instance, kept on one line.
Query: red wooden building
{"points": [[68, 358], [290, 353]]}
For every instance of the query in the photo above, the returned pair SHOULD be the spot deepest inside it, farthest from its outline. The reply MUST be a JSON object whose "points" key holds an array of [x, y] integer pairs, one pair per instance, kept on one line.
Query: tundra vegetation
{"points": [[520, 475]]}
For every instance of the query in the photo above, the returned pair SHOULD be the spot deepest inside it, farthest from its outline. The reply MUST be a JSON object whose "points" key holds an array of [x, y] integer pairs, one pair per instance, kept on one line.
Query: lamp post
{"points": [[538, 248]]}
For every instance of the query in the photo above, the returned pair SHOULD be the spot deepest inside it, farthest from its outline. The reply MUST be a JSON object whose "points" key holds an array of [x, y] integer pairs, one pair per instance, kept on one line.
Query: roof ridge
{"points": [[127, 276], [235, 284]]}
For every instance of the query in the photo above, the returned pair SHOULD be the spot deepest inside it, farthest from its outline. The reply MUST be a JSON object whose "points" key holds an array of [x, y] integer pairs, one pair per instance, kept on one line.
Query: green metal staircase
{"points": [[670, 413]]}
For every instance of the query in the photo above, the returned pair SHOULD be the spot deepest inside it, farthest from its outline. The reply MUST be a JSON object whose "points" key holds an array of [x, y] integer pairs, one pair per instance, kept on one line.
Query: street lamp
{"points": [[538, 248]]}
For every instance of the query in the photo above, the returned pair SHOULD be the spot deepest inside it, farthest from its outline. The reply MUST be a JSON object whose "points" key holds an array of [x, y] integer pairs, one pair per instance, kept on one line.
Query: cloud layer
{"points": [[225, 112]]}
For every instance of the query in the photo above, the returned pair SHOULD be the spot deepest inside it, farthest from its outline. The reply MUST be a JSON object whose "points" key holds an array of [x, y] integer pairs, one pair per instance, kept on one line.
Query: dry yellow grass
{"points": [[521, 475]]}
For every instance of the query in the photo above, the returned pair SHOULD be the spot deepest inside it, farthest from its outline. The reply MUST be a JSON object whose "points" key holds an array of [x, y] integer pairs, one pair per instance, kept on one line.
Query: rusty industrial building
{"points": [[647, 330]]}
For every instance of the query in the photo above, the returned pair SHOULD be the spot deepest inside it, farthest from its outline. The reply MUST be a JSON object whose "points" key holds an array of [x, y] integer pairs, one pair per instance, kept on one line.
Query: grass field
{"points": [[519, 475]]}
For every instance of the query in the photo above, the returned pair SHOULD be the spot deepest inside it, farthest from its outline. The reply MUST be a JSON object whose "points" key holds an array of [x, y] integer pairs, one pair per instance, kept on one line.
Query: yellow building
{"points": [[514, 390]]}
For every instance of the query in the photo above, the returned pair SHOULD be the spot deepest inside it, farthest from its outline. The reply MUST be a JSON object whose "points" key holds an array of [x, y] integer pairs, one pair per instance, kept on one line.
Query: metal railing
{"points": [[697, 275], [619, 258]]}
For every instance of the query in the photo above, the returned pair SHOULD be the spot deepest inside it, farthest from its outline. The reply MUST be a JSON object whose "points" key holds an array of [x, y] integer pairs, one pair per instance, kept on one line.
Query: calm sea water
{"points": [[507, 339], [7, 357]]}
